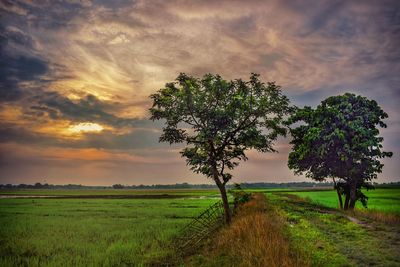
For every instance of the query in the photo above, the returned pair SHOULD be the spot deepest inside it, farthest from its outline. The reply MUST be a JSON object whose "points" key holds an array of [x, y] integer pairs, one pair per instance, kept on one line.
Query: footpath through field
{"points": [[330, 237]]}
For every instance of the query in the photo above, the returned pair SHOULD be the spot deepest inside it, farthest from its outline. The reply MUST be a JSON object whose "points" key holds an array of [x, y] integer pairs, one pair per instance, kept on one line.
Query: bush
{"points": [[239, 196]]}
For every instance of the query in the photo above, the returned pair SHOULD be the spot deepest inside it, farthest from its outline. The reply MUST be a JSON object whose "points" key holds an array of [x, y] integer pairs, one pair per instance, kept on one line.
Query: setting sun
{"points": [[85, 127]]}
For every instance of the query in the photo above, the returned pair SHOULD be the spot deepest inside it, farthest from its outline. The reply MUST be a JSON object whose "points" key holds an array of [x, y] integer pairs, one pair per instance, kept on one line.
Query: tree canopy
{"points": [[219, 120], [339, 139]]}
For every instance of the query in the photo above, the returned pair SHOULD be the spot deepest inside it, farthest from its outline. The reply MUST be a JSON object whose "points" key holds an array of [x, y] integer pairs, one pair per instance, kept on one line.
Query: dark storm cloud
{"points": [[21, 135], [21, 68], [88, 108], [15, 69]]}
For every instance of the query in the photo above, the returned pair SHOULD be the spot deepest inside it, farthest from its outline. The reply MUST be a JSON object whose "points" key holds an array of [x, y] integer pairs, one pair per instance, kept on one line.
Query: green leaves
{"points": [[338, 139], [219, 120]]}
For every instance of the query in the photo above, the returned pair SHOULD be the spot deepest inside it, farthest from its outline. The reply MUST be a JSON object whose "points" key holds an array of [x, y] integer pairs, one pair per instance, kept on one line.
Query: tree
{"points": [[219, 120], [118, 186], [339, 139]]}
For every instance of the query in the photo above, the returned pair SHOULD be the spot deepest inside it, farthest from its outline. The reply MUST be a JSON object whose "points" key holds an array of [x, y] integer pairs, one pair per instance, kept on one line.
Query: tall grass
{"points": [[378, 216], [255, 238]]}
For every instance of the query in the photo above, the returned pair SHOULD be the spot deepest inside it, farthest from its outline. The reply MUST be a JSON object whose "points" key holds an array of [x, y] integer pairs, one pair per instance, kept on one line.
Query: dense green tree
{"points": [[339, 139], [219, 120]]}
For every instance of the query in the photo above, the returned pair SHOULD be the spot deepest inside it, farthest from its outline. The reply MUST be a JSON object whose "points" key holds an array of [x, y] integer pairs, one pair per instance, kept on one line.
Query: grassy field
{"points": [[380, 199], [330, 237], [91, 232], [134, 227]]}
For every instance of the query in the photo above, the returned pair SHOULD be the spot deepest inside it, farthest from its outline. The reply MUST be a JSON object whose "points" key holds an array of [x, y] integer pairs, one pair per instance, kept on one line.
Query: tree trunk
{"points": [[222, 190], [340, 198], [346, 202], [339, 194], [227, 210], [353, 195]]}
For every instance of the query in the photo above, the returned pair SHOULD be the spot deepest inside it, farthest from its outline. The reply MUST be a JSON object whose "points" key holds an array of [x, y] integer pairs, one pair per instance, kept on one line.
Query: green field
{"points": [[91, 232], [380, 199], [134, 227]]}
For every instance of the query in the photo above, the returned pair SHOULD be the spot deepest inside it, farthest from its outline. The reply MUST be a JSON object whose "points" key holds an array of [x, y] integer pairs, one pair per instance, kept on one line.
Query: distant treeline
{"points": [[181, 186]]}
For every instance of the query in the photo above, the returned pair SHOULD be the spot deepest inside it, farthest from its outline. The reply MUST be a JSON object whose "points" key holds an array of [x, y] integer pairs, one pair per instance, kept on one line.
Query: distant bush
{"points": [[239, 195]]}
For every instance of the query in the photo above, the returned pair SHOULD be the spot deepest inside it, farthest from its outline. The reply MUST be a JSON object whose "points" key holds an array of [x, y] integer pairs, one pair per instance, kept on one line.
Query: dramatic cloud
{"points": [[71, 65]]}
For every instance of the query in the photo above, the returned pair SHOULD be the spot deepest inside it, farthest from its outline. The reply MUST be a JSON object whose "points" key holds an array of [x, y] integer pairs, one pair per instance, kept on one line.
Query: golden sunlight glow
{"points": [[85, 127], [11, 113]]}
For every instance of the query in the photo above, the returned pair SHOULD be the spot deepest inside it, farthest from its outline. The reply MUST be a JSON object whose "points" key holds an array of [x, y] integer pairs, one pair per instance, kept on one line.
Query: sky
{"points": [[75, 78]]}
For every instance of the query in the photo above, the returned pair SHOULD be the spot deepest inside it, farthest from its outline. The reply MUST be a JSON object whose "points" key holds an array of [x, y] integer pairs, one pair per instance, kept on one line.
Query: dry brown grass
{"points": [[378, 216], [255, 238]]}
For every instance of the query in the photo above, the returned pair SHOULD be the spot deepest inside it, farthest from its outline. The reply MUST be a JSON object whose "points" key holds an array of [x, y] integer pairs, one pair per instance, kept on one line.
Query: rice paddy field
{"points": [[119, 227], [380, 199], [95, 231]]}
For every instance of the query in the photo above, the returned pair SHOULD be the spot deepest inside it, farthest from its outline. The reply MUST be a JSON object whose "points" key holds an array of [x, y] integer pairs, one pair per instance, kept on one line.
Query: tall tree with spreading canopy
{"points": [[219, 121], [339, 139]]}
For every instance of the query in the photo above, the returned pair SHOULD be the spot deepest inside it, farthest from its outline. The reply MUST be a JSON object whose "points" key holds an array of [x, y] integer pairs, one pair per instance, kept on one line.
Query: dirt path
{"points": [[342, 239]]}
